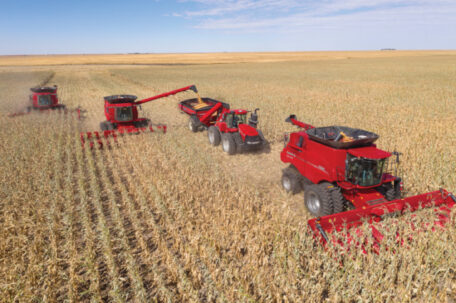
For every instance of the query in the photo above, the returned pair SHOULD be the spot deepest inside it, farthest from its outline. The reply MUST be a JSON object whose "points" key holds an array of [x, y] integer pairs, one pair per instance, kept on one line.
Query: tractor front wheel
{"points": [[317, 198], [213, 135], [228, 144]]}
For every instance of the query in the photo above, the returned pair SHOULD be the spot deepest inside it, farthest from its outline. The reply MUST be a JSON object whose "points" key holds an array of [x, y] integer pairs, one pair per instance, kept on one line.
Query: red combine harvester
{"points": [[230, 127], [341, 168], [121, 113], [44, 98]]}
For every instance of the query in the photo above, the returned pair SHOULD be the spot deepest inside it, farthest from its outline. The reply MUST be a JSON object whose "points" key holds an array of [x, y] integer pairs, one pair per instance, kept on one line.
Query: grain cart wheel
{"points": [[338, 199], [213, 135], [228, 144], [193, 123], [291, 180], [317, 198]]}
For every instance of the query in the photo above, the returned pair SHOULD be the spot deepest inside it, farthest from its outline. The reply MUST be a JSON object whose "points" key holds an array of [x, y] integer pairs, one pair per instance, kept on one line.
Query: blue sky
{"points": [[82, 26]]}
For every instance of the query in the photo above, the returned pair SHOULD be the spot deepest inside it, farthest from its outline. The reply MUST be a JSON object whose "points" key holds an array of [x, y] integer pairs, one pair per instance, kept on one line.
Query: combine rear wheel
{"points": [[213, 135], [317, 198], [291, 180], [228, 144]]}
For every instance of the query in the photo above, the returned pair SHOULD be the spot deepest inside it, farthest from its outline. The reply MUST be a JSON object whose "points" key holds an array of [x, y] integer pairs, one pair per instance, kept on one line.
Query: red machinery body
{"points": [[341, 168], [227, 126], [44, 98], [122, 117]]}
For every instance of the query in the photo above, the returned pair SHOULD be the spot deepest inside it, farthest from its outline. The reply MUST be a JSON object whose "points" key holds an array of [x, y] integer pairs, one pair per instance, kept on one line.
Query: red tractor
{"points": [[122, 117], [341, 168], [224, 125], [44, 98]]}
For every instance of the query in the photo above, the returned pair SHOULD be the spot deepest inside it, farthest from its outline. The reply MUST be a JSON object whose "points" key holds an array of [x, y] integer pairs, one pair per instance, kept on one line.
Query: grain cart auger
{"points": [[44, 99], [224, 125], [121, 113], [340, 168]]}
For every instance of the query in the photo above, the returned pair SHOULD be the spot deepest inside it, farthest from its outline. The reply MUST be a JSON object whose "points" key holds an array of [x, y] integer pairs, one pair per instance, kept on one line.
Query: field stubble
{"points": [[169, 218]]}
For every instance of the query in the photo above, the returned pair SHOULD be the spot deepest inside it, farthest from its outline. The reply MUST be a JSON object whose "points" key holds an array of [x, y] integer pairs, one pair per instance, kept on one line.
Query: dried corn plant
{"points": [[168, 218]]}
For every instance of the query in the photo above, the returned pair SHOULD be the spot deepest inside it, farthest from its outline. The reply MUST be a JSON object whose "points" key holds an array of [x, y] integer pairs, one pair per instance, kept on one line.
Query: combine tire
{"points": [[317, 198], [291, 180], [194, 123], [338, 200], [213, 135], [228, 144], [103, 126]]}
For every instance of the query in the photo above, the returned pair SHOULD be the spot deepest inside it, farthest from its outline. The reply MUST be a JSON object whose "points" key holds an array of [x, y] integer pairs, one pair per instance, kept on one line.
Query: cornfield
{"points": [[168, 218]]}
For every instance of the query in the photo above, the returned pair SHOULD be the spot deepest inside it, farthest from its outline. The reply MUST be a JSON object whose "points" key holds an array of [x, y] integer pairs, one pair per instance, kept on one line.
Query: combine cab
{"points": [[347, 180], [232, 128], [122, 117], [44, 98]]}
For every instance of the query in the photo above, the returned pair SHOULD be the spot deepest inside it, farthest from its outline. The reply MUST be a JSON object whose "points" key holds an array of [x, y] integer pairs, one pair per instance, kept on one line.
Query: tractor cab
{"points": [[365, 166], [43, 97], [236, 117], [121, 108]]}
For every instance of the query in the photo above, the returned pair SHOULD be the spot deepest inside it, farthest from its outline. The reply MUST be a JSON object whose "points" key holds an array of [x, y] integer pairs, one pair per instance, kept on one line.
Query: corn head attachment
{"points": [[105, 138], [348, 223]]}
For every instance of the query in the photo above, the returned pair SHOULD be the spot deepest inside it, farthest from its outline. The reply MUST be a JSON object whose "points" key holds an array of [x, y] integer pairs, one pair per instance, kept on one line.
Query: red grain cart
{"points": [[232, 128]]}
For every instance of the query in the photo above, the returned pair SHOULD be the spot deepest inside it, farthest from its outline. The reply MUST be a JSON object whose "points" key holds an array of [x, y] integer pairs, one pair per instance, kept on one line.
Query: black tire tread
{"points": [[324, 193], [295, 177]]}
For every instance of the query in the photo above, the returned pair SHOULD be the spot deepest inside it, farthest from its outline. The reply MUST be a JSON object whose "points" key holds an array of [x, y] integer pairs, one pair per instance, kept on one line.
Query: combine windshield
{"points": [[124, 113], [364, 172], [44, 100], [233, 120]]}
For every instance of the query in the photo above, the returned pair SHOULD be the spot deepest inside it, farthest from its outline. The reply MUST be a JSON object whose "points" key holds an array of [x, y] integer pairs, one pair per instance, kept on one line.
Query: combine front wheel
{"points": [[317, 198]]}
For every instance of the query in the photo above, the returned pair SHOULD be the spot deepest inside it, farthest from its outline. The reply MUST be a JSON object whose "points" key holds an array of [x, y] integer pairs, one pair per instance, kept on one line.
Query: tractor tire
{"points": [[260, 133], [194, 123], [318, 200], [228, 144], [213, 135], [291, 180], [339, 202], [240, 146]]}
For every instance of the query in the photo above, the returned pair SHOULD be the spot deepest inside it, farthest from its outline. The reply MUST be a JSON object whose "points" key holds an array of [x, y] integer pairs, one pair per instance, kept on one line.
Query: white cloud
{"points": [[294, 15]]}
